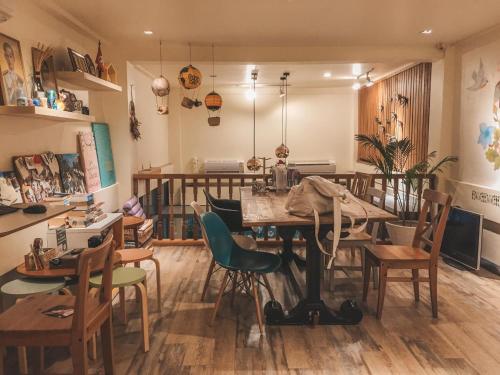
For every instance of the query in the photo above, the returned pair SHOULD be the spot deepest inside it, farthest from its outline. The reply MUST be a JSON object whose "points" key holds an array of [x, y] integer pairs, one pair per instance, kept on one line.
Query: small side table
{"points": [[134, 223]]}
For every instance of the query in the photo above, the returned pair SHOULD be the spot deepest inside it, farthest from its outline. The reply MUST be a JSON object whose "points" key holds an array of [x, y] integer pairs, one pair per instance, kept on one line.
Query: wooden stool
{"points": [[22, 288], [136, 256], [130, 276], [134, 223]]}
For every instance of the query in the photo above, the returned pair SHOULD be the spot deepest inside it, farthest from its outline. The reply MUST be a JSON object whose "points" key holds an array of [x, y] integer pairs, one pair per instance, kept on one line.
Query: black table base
{"points": [[311, 309]]}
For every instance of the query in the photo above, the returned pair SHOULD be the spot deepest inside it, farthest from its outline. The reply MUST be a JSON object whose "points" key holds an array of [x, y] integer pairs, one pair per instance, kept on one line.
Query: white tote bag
{"points": [[315, 196]]}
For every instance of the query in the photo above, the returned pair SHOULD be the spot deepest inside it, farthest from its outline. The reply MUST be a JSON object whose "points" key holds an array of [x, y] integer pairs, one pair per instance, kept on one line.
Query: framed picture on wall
{"points": [[13, 81], [78, 61], [47, 74]]}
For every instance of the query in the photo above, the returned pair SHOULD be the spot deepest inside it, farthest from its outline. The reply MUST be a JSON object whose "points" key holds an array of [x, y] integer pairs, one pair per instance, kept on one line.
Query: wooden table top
{"points": [[48, 273], [131, 222], [16, 221], [269, 209]]}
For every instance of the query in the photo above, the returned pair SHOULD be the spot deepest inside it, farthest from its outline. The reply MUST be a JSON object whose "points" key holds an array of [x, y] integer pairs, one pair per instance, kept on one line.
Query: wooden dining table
{"points": [[263, 209]]}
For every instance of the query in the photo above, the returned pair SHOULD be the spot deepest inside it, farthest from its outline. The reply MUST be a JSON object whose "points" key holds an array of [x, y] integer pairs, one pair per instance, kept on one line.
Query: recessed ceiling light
{"points": [[426, 31], [148, 32], [327, 74]]}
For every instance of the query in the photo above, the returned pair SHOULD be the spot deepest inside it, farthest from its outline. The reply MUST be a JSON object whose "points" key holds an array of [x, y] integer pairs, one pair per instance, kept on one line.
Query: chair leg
{"points": [[207, 279], [268, 287], [416, 291], [381, 289], [255, 291], [433, 288], [123, 305], [225, 281], [141, 291], [353, 253], [233, 289], [331, 279], [366, 277], [107, 346], [38, 360], [375, 277], [79, 357], [22, 360], [93, 347], [158, 283]]}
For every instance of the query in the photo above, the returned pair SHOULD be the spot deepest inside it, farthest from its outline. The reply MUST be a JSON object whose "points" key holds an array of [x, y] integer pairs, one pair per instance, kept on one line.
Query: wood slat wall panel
{"points": [[415, 84]]}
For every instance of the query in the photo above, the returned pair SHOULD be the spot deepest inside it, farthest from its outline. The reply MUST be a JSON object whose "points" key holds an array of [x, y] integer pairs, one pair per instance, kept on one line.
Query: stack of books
{"points": [[86, 212]]}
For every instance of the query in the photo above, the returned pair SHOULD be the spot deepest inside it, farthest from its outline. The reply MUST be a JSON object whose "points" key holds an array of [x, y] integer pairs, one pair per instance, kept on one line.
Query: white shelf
{"points": [[86, 81], [43, 113]]}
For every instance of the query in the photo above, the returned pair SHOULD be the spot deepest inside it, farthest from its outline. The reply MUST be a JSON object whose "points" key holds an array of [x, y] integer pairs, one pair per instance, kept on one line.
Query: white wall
{"points": [[320, 126]]}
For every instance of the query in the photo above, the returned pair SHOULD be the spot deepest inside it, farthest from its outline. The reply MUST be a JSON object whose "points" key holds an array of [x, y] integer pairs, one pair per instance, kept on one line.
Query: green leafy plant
{"points": [[391, 158]]}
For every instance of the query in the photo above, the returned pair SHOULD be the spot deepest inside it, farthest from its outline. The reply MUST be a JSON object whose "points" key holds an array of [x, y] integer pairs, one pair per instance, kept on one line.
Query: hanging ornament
{"points": [[213, 101], [133, 121], [190, 79], [253, 164], [161, 89], [282, 150]]}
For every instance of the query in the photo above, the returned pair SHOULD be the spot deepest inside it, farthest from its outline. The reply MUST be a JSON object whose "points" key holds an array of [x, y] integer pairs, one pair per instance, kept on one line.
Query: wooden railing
{"points": [[170, 203]]}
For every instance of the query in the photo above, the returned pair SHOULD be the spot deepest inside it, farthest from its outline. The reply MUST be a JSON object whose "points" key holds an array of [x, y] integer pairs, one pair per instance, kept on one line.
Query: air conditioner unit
{"points": [[223, 166], [313, 166]]}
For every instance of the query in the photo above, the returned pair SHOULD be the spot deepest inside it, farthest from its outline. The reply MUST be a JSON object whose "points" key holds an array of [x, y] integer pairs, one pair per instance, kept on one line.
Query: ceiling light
{"points": [[426, 32], [327, 75], [356, 86], [369, 83], [148, 32]]}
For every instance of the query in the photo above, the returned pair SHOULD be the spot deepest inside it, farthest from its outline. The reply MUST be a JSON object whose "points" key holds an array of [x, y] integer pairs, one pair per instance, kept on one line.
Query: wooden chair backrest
{"points": [[377, 197], [360, 184], [435, 209], [198, 210], [87, 308]]}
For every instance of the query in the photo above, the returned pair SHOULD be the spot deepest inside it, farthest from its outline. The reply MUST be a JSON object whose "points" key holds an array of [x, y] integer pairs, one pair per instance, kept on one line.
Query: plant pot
{"points": [[401, 233]]}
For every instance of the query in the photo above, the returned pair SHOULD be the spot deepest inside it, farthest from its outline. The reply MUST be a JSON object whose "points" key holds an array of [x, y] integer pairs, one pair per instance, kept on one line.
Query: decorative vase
{"points": [[401, 232]]}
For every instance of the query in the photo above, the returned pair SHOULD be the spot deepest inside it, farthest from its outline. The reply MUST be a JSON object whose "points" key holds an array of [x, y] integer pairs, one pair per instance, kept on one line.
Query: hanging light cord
{"points": [[254, 78], [286, 107], [213, 68], [282, 108], [161, 62]]}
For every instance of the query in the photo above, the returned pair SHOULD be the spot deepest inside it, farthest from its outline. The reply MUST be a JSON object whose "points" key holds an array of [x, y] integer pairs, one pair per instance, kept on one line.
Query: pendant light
{"points": [[190, 79], [282, 150], [213, 101], [253, 164], [161, 89]]}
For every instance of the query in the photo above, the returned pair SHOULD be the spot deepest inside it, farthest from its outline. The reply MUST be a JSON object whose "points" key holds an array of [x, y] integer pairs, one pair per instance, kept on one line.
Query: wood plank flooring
{"points": [[464, 340]]}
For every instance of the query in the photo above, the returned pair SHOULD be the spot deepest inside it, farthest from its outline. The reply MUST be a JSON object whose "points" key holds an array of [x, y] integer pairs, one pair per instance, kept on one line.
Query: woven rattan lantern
{"points": [[213, 102], [190, 81]]}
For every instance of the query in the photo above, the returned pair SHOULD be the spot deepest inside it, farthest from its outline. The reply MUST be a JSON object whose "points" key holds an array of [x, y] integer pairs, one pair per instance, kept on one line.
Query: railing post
{"points": [[159, 209]]}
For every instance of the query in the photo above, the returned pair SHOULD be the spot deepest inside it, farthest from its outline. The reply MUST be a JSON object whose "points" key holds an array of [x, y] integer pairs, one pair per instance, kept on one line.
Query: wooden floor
{"points": [[464, 340]]}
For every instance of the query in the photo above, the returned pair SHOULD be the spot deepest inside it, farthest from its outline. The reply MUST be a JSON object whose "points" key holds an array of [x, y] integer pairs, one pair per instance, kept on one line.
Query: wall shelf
{"points": [[85, 81], [43, 113]]}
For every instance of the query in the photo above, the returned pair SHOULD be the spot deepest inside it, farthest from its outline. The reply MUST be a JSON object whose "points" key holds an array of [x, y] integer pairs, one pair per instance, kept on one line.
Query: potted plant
{"points": [[390, 159]]}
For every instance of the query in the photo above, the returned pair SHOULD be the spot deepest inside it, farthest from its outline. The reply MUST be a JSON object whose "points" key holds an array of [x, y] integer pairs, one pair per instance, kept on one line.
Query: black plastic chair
{"points": [[229, 210]]}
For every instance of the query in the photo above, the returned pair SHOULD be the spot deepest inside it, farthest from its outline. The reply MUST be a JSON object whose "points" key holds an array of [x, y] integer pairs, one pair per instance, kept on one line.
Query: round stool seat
{"points": [[134, 255], [122, 276], [245, 242], [25, 287], [132, 222]]}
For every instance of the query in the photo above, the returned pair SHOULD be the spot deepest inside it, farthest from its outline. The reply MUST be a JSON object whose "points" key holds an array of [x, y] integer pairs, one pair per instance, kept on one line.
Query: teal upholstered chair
{"points": [[243, 267]]}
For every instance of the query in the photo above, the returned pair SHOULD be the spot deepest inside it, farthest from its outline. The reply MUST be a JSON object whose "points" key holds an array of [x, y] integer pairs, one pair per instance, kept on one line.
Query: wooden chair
{"points": [[359, 240], [25, 324], [360, 184], [436, 207], [244, 242]]}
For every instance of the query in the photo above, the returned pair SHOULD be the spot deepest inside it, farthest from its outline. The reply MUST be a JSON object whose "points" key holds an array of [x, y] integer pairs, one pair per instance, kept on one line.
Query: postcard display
{"points": [[71, 173], [90, 164], [10, 191]]}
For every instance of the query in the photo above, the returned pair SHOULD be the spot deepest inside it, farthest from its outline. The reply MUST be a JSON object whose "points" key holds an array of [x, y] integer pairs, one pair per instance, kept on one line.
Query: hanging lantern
{"points": [[282, 150], [161, 89], [190, 79], [213, 102], [253, 164]]}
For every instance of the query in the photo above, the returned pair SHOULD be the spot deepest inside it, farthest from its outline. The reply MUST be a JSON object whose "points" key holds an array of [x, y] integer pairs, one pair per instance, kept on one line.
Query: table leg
{"points": [[287, 234], [312, 309]]}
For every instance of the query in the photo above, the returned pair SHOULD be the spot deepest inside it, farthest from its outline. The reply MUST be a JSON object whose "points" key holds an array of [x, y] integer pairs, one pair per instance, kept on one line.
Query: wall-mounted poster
{"points": [[90, 165], [104, 154], [10, 191], [38, 176], [71, 173], [13, 83]]}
